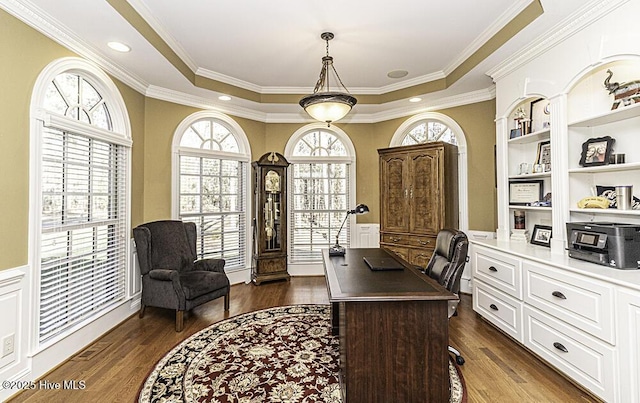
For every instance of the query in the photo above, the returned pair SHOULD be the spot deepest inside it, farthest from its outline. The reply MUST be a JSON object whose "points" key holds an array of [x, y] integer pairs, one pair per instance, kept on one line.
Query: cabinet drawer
{"points": [[582, 302], [420, 257], [498, 270], [422, 241], [395, 239], [498, 308], [580, 356]]}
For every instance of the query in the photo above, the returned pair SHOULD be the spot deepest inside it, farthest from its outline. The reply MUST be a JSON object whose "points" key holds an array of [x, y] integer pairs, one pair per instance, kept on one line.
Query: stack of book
{"points": [[520, 235]]}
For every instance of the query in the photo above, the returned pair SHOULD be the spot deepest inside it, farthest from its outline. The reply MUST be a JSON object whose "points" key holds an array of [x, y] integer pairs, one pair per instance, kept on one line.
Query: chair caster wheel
{"points": [[459, 360]]}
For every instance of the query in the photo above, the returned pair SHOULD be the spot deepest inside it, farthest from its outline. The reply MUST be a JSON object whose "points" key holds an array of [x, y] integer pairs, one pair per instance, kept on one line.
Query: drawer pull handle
{"points": [[494, 307], [424, 242], [558, 294], [394, 239], [491, 268], [560, 347]]}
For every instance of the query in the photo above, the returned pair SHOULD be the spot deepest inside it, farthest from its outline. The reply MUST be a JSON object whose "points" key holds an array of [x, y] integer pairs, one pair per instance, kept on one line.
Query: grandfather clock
{"points": [[269, 219]]}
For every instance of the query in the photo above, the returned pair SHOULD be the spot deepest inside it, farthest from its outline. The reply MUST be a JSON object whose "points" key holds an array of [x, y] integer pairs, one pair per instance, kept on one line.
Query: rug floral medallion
{"points": [[282, 354]]}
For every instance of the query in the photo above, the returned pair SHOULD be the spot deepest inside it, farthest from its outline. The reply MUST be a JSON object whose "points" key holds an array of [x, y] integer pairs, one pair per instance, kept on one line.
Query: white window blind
{"points": [[212, 181], [320, 195], [84, 232], [320, 203], [212, 196]]}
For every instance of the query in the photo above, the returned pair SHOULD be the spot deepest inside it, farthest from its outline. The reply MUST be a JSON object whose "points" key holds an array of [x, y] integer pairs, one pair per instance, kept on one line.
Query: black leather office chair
{"points": [[446, 266]]}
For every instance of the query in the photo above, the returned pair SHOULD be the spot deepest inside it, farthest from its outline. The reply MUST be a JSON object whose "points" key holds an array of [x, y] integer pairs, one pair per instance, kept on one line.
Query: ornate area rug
{"points": [[282, 354]]}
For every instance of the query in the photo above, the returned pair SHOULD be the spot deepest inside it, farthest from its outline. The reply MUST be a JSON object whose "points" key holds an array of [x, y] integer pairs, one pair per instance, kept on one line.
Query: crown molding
{"points": [[181, 98], [33, 16], [574, 23], [223, 78], [512, 12], [467, 98], [146, 14]]}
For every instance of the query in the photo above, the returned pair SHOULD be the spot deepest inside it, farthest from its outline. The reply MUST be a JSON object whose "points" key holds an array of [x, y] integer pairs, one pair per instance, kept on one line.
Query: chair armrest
{"points": [[164, 274], [209, 265]]}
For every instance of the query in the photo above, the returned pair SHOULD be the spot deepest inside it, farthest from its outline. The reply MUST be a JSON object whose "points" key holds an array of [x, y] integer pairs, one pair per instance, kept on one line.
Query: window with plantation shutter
{"points": [[83, 176], [212, 188], [320, 194]]}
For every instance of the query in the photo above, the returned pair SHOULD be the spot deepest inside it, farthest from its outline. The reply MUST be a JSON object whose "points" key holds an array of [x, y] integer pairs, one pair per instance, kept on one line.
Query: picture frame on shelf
{"points": [[522, 193], [539, 114], [596, 151], [541, 235], [515, 133], [544, 155]]}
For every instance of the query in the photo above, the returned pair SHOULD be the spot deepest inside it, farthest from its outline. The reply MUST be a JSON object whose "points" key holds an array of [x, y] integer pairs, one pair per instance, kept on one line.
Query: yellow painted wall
{"points": [[25, 52]]}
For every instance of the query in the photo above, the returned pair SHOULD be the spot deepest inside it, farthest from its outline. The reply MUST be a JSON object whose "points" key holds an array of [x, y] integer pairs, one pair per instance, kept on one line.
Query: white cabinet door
{"points": [[628, 345]]}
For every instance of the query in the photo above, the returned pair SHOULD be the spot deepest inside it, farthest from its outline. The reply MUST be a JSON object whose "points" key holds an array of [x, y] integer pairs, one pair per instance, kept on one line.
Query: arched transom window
{"points": [[212, 188], [428, 131], [321, 184]]}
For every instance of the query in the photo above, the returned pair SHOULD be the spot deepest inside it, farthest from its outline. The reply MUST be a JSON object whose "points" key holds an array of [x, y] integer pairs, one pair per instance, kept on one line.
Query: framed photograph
{"points": [[541, 235], [544, 155], [525, 192], [596, 151], [515, 133], [540, 118]]}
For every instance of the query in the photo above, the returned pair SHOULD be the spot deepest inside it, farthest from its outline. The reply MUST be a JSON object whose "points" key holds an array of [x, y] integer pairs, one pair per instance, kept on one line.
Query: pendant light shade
{"points": [[325, 105]]}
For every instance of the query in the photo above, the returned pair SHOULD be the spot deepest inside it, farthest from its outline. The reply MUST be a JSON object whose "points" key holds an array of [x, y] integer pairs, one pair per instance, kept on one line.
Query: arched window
{"points": [[81, 136], [211, 155], [433, 126], [429, 130], [322, 189]]}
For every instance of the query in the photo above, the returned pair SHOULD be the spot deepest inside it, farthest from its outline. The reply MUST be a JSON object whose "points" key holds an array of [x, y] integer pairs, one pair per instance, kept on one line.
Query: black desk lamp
{"points": [[337, 250]]}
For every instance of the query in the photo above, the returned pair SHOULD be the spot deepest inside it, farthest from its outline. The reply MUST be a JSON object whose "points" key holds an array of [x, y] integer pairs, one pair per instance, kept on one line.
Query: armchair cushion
{"points": [[197, 283], [163, 274], [216, 265]]}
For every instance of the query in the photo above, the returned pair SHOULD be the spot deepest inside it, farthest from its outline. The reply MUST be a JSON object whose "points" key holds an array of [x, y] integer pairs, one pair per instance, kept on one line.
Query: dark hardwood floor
{"points": [[114, 367]]}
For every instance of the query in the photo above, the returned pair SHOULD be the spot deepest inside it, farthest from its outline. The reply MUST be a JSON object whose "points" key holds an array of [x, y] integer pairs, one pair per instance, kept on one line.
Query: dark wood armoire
{"points": [[418, 197]]}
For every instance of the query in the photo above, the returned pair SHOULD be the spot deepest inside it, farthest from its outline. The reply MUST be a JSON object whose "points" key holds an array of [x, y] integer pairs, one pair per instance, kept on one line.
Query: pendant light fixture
{"points": [[326, 105]]}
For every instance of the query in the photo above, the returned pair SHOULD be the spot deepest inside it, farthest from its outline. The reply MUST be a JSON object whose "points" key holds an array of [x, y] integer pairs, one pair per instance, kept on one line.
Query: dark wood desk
{"points": [[393, 330]]}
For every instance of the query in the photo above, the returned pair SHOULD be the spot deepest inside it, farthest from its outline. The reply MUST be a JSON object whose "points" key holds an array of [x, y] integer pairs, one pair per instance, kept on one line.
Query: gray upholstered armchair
{"points": [[172, 278]]}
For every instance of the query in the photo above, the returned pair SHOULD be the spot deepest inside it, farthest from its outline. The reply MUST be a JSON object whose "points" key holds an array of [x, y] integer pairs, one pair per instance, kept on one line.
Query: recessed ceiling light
{"points": [[397, 73], [119, 47], [415, 99], [224, 98]]}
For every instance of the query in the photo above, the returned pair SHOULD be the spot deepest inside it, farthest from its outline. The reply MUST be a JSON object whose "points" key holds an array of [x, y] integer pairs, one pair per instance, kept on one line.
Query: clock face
{"points": [[272, 182]]}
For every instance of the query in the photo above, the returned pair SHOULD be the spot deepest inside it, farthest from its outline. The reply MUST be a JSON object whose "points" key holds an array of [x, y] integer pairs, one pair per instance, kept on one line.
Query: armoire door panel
{"points": [[425, 204], [395, 194]]}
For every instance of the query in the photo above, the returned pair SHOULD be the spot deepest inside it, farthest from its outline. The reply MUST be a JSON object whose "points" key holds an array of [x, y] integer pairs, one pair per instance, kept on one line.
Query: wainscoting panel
{"points": [[367, 236], [12, 326], [10, 306]]}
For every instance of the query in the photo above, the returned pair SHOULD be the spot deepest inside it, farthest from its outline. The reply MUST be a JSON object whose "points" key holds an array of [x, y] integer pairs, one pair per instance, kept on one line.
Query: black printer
{"points": [[610, 244]]}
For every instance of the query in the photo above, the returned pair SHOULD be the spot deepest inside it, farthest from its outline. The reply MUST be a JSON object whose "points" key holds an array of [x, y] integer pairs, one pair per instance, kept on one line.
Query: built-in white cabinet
{"points": [[581, 318], [628, 317]]}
